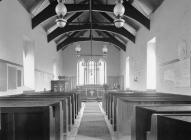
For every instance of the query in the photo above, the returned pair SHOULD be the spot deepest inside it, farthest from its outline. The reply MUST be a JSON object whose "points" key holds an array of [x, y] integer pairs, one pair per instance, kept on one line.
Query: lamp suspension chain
{"points": [[78, 48], [91, 27]]}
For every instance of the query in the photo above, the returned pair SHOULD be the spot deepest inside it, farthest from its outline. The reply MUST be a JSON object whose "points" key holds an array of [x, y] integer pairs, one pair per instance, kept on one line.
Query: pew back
{"points": [[142, 120], [126, 109], [35, 120], [170, 127]]}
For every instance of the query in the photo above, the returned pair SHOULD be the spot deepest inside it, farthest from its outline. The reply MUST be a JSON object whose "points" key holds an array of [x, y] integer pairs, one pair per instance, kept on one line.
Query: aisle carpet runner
{"points": [[93, 125]]}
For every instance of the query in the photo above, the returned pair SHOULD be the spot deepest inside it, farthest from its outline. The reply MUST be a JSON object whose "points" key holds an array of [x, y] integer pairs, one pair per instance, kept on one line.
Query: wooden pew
{"points": [[111, 95], [73, 95], [126, 109], [66, 100], [170, 127], [31, 120], [142, 120], [75, 100], [108, 99], [112, 105]]}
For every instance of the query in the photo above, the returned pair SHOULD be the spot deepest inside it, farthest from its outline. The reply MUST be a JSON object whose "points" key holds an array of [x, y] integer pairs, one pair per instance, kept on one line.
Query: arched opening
{"points": [[91, 72]]}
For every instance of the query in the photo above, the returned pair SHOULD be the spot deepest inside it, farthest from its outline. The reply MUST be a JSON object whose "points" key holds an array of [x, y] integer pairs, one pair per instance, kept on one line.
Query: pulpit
{"points": [[63, 84]]}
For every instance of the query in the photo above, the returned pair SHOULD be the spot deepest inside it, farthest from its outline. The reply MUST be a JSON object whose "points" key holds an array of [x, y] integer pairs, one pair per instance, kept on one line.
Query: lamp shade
{"points": [[104, 49], [119, 9], [61, 9], [119, 22], [78, 48], [61, 22]]}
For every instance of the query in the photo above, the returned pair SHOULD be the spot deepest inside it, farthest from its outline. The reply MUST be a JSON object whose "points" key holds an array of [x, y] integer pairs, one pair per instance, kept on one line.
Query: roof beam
{"points": [[135, 14], [76, 15], [69, 35], [69, 20], [71, 40], [130, 12], [107, 17], [109, 35], [114, 37], [109, 28], [126, 26]]}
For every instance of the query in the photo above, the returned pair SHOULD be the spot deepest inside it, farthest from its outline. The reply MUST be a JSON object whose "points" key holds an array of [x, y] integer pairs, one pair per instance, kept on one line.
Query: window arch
{"points": [[102, 75], [81, 73], [91, 72]]}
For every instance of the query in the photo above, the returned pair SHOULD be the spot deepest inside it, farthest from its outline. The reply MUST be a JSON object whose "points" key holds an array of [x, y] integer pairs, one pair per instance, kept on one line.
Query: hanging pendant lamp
{"points": [[61, 11], [119, 11]]}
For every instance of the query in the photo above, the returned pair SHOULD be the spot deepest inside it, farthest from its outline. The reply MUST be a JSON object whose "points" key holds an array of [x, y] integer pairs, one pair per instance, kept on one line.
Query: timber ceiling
{"points": [[100, 24]]}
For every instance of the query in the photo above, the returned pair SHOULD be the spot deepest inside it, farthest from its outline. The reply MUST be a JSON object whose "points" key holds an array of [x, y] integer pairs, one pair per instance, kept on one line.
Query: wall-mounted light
{"points": [[61, 11], [119, 11], [105, 50], [78, 50]]}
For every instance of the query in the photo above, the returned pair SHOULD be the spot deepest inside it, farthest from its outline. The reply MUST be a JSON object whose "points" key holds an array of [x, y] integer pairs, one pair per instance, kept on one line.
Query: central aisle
{"points": [[93, 125]]}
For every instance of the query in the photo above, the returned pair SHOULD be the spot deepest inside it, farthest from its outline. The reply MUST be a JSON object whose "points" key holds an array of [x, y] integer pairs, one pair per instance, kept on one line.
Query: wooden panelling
{"points": [[3, 76], [12, 76], [19, 78]]}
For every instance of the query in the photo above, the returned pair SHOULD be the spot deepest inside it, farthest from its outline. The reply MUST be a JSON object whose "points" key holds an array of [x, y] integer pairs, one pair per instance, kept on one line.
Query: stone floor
{"points": [[91, 124]]}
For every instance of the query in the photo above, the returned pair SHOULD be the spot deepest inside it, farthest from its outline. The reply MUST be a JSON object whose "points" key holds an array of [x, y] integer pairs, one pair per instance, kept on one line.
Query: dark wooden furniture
{"points": [[126, 108], [31, 120], [71, 104], [170, 127], [142, 120], [111, 101], [120, 106]]}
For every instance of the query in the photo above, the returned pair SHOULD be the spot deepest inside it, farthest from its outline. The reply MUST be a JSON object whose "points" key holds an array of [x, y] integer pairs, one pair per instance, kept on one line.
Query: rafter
{"points": [[76, 15], [108, 28], [68, 35], [71, 40], [69, 20], [107, 17], [111, 36], [133, 13], [130, 11], [126, 26], [114, 37]]}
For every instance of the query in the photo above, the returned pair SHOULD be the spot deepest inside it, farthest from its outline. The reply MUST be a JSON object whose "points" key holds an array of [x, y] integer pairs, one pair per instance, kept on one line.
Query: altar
{"points": [[91, 92]]}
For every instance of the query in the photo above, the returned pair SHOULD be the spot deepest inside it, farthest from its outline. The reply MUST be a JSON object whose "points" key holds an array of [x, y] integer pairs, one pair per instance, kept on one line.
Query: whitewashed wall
{"points": [[15, 27], [170, 24], [69, 59]]}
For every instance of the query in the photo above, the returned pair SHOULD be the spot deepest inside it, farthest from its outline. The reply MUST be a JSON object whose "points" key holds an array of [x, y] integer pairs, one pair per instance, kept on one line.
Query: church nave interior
{"points": [[95, 69]]}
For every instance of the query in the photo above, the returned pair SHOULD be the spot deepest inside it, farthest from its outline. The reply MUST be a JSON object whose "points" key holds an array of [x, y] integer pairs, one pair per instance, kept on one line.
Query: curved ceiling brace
{"points": [[133, 13], [114, 37], [69, 35], [69, 41], [130, 12], [109, 28]]}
